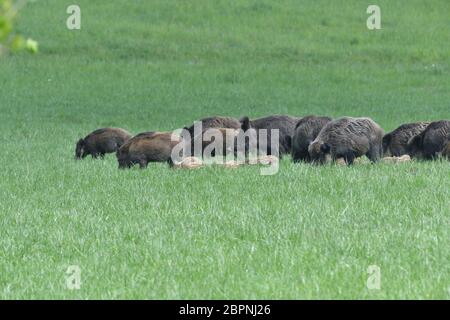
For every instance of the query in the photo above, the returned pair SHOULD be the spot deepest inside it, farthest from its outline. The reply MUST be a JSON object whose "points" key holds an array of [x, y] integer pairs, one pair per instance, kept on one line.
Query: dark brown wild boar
{"points": [[100, 142], [347, 138], [283, 123], [147, 147], [431, 142], [215, 122], [306, 131], [395, 142], [207, 140]]}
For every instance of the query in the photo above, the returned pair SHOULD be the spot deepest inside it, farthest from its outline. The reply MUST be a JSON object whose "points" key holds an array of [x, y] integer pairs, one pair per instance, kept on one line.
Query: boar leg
{"points": [[143, 163], [375, 153], [296, 156], [97, 155], [300, 156], [349, 157]]}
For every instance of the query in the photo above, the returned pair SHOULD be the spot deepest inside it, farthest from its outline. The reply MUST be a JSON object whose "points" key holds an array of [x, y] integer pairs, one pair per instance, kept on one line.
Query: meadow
{"points": [[215, 233]]}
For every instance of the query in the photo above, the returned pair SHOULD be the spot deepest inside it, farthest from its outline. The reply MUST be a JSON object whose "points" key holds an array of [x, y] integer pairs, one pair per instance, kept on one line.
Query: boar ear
{"points": [[325, 148], [245, 123], [80, 142]]}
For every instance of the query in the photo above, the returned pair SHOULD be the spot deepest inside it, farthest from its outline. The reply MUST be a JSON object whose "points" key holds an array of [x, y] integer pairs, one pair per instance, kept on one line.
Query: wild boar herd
{"points": [[313, 139]]}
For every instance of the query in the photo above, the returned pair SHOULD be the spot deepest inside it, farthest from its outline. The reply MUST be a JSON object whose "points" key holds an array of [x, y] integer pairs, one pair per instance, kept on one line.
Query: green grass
{"points": [[306, 232]]}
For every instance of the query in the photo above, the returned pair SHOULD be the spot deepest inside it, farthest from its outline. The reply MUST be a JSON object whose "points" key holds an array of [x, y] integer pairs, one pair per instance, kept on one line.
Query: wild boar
{"points": [[306, 131], [207, 141], [215, 122], [100, 142], [431, 142], [147, 147], [347, 138], [283, 123], [395, 142]]}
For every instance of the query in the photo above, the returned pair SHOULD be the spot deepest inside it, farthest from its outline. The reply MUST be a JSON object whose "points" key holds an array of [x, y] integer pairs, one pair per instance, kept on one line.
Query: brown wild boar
{"points": [[395, 142], [215, 122], [284, 123], [306, 131], [208, 137], [347, 138], [432, 142], [100, 142], [147, 147]]}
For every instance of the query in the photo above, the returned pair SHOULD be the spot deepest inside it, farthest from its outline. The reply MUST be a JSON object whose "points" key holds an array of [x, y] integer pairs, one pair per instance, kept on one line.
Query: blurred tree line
{"points": [[10, 40]]}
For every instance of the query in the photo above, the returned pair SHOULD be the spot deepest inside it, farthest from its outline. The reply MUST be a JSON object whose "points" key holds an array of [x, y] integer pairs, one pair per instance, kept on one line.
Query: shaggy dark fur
{"points": [[285, 124], [432, 142], [147, 147], [216, 122], [395, 142], [306, 131], [348, 138], [100, 142], [203, 141]]}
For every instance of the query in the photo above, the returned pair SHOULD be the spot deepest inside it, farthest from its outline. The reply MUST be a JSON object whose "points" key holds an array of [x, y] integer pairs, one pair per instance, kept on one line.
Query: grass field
{"points": [[304, 233]]}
